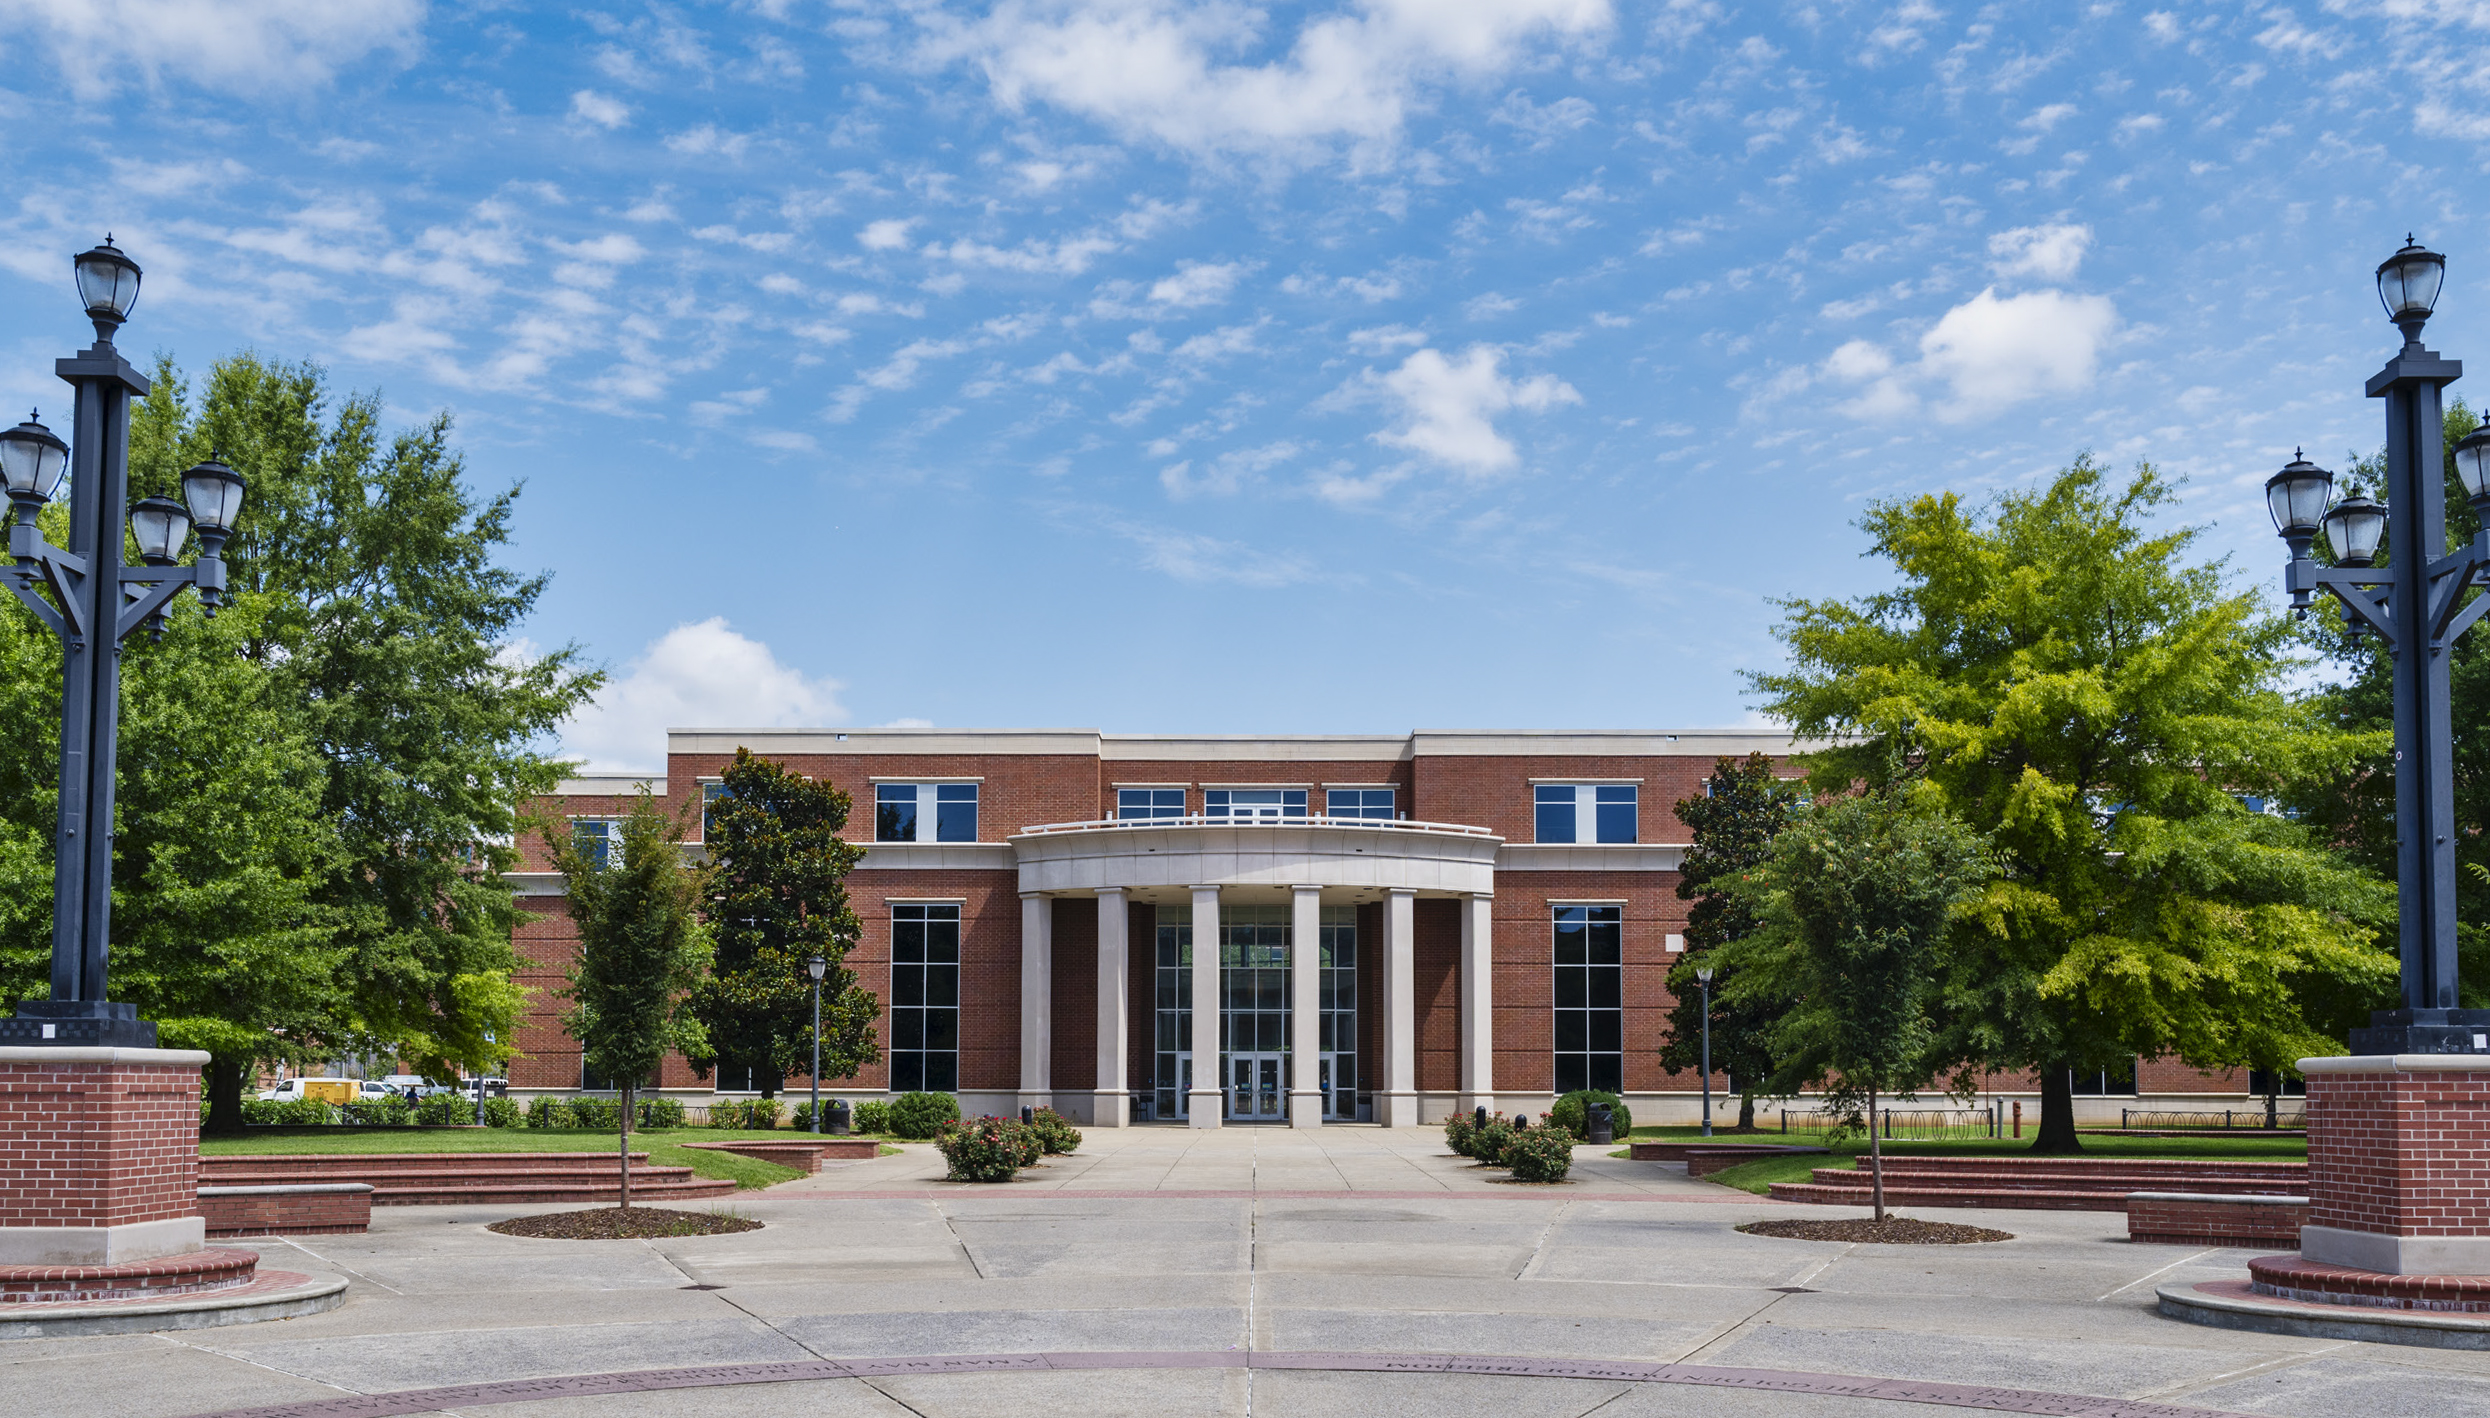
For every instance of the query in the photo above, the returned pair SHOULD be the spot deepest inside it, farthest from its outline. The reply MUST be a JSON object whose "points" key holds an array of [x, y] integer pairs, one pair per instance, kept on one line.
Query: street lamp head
{"points": [[32, 460], [1703, 973], [2472, 465], [2354, 527], [2408, 283], [161, 525], [214, 493], [817, 967], [108, 283], [2297, 498]]}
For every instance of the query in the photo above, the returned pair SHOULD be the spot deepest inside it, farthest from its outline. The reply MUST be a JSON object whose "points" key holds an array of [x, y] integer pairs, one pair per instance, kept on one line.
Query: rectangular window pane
{"points": [[1571, 1074], [1144, 804], [942, 1029], [942, 986], [1607, 1030], [1572, 941], [1555, 814], [1606, 988], [1373, 803], [1606, 1072], [1616, 813], [907, 940], [942, 1073], [1589, 981], [907, 1072], [1572, 1033], [709, 795], [1572, 987], [894, 812], [907, 1028], [955, 812]]}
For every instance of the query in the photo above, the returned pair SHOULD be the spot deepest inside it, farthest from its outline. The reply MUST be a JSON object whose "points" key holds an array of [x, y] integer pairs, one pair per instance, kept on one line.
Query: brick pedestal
{"points": [[2399, 1163], [99, 1155]]}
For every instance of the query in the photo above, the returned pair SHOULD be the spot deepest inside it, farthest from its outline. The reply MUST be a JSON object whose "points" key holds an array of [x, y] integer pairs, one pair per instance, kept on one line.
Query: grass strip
{"points": [[664, 1147]]}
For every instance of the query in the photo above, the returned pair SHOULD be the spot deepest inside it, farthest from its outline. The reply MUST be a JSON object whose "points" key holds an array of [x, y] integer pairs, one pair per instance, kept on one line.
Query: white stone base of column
{"points": [[1036, 1100], [2396, 1255], [1470, 1103], [1110, 1110], [1305, 1110], [1397, 1110], [127, 1243], [1203, 1108]]}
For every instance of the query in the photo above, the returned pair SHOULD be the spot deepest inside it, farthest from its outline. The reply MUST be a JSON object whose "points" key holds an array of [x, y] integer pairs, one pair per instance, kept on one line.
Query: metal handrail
{"points": [[1310, 820]]}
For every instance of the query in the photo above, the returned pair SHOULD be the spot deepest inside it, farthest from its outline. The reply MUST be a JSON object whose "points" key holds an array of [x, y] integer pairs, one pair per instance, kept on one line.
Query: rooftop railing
{"points": [[1197, 820]]}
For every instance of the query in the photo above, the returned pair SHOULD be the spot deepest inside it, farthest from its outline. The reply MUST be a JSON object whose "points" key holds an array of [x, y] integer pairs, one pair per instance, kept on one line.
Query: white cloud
{"points": [[709, 140], [888, 234], [1989, 354], [698, 674], [1226, 474], [589, 106], [1197, 283], [1448, 406], [1150, 67], [2050, 253], [245, 47]]}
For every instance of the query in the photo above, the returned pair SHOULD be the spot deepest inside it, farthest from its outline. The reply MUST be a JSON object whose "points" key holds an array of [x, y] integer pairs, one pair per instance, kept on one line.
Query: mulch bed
{"points": [[615, 1223], [1892, 1231]]}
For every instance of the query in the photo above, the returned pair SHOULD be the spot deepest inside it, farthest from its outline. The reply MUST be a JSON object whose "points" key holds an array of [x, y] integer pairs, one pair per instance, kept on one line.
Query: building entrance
{"points": [[1256, 1031], [1256, 1091]]}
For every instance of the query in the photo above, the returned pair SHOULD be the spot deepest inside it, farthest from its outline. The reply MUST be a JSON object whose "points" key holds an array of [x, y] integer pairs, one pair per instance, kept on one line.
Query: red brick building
{"points": [[1406, 924]]}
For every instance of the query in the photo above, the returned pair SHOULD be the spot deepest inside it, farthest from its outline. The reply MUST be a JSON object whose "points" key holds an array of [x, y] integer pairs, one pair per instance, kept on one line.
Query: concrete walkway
{"points": [[1125, 1284]]}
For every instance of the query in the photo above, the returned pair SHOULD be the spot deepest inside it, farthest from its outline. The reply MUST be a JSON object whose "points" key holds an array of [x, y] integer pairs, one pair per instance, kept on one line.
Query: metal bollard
{"points": [[1028, 1114]]}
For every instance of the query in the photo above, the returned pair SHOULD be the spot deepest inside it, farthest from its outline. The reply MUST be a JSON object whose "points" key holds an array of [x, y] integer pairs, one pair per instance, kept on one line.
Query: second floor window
{"points": [[1143, 804], [710, 793], [925, 812], [1253, 804], [599, 840], [1359, 802], [1585, 812]]}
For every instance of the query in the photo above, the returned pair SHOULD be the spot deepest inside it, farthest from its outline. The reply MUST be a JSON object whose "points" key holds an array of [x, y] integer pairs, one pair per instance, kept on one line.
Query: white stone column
{"points": [[1037, 1001], [1478, 1003], [1203, 1104], [1110, 1102], [1305, 1007], [1396, 1104]]}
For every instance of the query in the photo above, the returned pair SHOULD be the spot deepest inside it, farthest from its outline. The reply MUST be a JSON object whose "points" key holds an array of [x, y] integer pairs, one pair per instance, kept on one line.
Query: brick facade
{"points": [[2400, 1153], [97, 1144]]}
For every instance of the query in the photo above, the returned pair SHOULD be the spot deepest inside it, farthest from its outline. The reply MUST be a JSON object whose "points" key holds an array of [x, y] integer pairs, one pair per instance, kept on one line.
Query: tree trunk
{"points": [[624, 1134], [2057, 1111], [1876, 1160], [224, 1095], [1746, 1112]]}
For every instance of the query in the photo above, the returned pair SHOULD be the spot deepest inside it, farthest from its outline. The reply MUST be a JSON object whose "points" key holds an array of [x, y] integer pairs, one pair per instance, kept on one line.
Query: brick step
{"points": [[2110, 1183], [359, 1162], [609, 1191], [160, 1279], [2124, 1166], [446, 1177], [806, 1156], [2005, 1198]]}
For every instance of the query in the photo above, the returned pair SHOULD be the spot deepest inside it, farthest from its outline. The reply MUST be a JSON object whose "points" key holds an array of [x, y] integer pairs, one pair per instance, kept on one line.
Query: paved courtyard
{"points": [[1252, 1270]]}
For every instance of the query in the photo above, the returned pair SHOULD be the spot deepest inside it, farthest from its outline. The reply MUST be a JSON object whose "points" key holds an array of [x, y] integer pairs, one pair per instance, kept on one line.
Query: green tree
{"points": [[2357, 808], [2071, 687], [389, 635], [1733, 821], [1850, 908], [642, 950], [777, 895]]}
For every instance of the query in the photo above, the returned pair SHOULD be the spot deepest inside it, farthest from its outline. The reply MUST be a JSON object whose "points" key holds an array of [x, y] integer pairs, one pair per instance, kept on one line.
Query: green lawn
{"points": [[1759, 1175], [664, 1146]]}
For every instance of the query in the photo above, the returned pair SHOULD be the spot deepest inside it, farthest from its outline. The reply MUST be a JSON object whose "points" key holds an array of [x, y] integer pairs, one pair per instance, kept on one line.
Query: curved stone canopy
{"points": [[1429, 858]]}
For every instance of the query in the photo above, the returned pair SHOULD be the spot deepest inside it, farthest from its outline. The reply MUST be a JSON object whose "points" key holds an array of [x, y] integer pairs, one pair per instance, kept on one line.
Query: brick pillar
{"points": [[99, 1155], [2399, 1163]]}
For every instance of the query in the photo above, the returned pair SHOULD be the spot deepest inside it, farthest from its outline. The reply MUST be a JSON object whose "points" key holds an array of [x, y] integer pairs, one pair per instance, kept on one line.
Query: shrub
{"points": [[873, 1117], [1487, 1143], [987, 1150], [1460, 1132], [660, 1112], [596, 1113], [1573, 1113], [918, 1116], [548, 1112], [500, 1113], [1540, 1155], [380, 1112], [298, 1112], [444, 1110], [1055, 1133]]}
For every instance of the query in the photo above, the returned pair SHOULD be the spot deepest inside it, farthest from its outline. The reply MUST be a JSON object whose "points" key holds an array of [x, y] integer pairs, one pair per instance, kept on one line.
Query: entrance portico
{"points": [[1255, 1014]]}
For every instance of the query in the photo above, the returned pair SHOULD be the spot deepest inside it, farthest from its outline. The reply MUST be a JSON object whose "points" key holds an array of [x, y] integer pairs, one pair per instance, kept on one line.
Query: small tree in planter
{"points": [[642, 947], [1540, 1155], [986, 1150], [1459, 1133], [1055, 1133]]}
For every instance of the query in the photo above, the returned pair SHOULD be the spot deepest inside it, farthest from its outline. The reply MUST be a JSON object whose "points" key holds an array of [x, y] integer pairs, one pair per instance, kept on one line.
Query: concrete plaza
{"points": [[1247, 1270]]}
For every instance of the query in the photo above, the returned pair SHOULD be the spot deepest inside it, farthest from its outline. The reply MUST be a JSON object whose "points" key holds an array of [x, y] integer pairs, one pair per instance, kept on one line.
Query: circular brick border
{"points": [[1973, 1396], [159, 1278], [2231, 1304], [2288, 1277], [272, 1295]]}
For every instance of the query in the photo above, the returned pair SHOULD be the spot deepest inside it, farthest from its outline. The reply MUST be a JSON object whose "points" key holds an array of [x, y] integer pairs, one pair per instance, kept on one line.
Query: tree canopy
{"points": [[777, 895], [2059, 675]]}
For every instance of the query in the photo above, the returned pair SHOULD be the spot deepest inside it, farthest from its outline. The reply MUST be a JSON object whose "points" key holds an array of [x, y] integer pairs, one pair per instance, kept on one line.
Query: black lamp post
{"points": [[1703, 977], [817, 967], [2415, 607], [96, 600]]}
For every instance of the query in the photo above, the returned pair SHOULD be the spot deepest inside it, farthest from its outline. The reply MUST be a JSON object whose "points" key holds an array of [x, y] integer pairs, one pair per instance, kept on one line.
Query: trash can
{"points": [[1603, 1124], [834, 1116]]}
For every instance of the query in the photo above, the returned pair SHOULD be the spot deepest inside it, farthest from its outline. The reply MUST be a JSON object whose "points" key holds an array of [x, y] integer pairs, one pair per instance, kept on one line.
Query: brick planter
{"points": [[2317, 1283], [157, 1279], [99, 1155], [2043, 1183], [2200, 1219], [2399, 1163], [477, 1178], [804, 1156], [295, 1209]]}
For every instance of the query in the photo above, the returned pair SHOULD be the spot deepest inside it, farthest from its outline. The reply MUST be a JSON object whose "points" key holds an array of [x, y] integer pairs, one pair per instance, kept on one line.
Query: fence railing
{"points": [[1911, 1124], [2153, 1119]]}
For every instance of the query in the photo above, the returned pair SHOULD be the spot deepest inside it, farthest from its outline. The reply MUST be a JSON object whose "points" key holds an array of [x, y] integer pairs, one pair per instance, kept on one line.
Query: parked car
{"points": [[414, 1085], [327, 1090]]}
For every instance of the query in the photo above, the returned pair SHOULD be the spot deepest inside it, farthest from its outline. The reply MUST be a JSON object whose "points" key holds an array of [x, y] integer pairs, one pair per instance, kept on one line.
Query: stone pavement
{"points": [[1166, 1272]]}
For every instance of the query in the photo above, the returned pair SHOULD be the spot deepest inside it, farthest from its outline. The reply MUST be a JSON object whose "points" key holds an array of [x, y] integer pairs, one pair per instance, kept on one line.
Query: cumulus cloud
{"points": [[1150, 67], [702, 673], [245, 47], [1984, 355], [1448, 406], [1197, 283], [2050, 253], [589, 106], [888, 234]]}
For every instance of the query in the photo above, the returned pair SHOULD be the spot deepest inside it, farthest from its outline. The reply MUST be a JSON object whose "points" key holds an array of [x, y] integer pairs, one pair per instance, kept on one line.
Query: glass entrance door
{"points": [[1255, 1091]]}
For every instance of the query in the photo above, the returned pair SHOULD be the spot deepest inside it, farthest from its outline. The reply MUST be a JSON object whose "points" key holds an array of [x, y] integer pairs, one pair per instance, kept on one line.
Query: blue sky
{"points": [[1293, 369]]}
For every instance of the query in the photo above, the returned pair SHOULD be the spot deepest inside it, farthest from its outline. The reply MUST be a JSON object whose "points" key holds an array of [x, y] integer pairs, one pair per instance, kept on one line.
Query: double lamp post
{"points": [[95, 600], [2416, 607]]}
